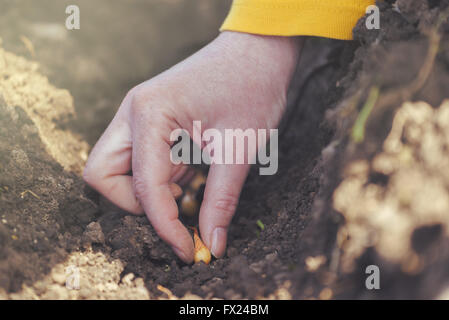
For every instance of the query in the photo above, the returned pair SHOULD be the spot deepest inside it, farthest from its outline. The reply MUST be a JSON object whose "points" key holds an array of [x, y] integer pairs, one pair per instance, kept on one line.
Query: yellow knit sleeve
{"points": [[324, 18]]}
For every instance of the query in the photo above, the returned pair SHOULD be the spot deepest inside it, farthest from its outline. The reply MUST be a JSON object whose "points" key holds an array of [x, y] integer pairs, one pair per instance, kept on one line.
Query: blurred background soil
{"points": [[350, 191], [119, 45]]}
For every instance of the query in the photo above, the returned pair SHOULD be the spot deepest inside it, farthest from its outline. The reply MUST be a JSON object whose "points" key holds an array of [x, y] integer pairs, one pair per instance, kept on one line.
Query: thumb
{"points": [[223, 186]]}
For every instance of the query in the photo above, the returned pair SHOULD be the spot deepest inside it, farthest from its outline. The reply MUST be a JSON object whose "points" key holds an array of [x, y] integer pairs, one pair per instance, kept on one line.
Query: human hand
{"points": [[237, 81]]}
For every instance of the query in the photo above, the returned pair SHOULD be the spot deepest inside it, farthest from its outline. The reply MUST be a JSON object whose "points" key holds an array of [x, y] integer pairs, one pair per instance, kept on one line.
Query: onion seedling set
{"points": [[189, 203]]}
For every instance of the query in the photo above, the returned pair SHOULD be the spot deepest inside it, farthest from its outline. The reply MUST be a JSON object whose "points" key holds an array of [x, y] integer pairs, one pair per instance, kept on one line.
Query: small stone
{"points": [[128, 279], [56, 292], [271, 257], [93, 234], [326, 294], [85, 293], [257, 266], [101, 287], [58, 277], [111, 286]]}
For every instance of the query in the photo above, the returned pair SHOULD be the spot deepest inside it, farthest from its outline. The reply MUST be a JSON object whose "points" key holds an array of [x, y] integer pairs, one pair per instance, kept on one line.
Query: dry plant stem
{"points": [[381, 102], [408, 91]]}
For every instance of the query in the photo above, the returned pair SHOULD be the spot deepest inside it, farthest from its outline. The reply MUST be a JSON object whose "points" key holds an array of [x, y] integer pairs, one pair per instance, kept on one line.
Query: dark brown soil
{"points": [[43, 208], [336, 205]]}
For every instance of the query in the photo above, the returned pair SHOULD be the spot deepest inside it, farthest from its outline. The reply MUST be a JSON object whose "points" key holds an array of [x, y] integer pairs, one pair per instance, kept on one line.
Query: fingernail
{"points": [[218, 242]]}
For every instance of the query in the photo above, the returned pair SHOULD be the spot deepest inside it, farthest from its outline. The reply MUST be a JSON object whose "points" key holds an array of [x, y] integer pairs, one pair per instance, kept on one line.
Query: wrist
{"points": [[260, 67], [279, 48]]}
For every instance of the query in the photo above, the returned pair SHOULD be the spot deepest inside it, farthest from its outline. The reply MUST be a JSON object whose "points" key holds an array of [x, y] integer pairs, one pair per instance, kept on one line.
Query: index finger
{"points": [[151, 167]]}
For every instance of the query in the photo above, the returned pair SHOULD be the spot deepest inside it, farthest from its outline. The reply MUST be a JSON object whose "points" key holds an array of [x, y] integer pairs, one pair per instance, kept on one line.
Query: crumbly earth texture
{"points": [[363, 180]]}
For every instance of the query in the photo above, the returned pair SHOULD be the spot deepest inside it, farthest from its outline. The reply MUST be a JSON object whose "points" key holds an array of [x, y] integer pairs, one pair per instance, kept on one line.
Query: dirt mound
{"points": [[43, 206], [47, 107], [385, 186]]}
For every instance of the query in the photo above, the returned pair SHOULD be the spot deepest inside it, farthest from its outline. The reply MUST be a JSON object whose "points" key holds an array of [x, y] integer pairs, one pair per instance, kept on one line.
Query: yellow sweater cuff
{"points": [[323, 18]]}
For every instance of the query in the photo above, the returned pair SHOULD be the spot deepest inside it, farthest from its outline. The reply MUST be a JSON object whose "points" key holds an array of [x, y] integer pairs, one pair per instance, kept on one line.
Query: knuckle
{"points": [[140, 188], [158, 225], [131, 92], [226, 204], [138, 96], [138, 101], [90, 176], [150, 103], [144, 98]]}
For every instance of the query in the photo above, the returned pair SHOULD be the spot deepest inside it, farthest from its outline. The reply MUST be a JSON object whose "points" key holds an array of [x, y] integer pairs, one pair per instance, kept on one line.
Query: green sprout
{"points": [[358, 130], [260, 225]]}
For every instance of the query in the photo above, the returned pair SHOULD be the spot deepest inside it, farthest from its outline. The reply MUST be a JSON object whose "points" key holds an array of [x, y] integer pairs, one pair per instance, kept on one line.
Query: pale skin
{"points": [[238, 80]]}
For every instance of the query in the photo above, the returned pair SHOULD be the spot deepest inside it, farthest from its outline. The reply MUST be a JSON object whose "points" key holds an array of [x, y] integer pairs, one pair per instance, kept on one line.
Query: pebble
{"points": [[93, 233], [128, 279], [111, 286], [271, 257], [58, 277]]}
